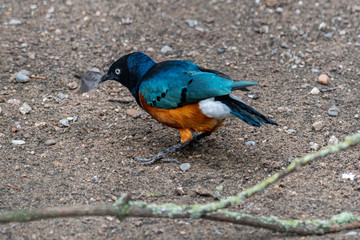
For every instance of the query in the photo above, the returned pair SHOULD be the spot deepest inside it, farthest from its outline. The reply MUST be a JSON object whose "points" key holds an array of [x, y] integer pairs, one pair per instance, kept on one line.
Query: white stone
{"points": [[18, 142], [322, 26], [315, 91], [25, 108], [314, 146], [166, 49], [14, 21], [333, 140]]}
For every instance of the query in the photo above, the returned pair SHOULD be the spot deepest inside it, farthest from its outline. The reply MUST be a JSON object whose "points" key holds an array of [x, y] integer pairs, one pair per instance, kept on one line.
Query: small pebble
{"points": [[322, 26], [298, 11], [133, 113], [166, 49], [61, 96], [333, 111], [73, 85], [202, 191], [356, 116], [291, 131], [284, 45], [314, 70], [315, 91], [279, 9], [271, 3], [50, 142], [352, 233], [179, 191], [68, 3], [294, 28], [22, 76], [333, 140], [324, 79], [32, 55], [317, 126], [95, 180], [314, 146], [253, 96], [191, 23], [58, 31], [329, 35], [355, 8], [221, 50], [218, 191], [65, 122], [250, 143], [18, 142], [184, 166], [350, 176], [264, 29], [13, 101], [126, 21], [14, 21], [342, 32], [24, 109]]}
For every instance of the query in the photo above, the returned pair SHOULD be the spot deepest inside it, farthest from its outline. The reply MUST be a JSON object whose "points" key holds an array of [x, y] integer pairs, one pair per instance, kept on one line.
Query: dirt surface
{"points": [[284, 47]]}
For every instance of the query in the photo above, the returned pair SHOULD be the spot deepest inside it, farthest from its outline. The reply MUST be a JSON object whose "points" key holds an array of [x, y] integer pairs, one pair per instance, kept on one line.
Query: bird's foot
{"points": [[160, 155], [149, 161]]}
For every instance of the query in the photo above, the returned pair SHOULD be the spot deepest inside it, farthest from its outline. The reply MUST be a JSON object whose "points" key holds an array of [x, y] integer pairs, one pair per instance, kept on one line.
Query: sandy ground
{"points": [[284, 47]]}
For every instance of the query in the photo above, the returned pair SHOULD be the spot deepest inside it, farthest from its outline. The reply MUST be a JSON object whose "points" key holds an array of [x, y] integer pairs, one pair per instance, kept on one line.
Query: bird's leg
{"points": [[160, 156], [198, 137]]}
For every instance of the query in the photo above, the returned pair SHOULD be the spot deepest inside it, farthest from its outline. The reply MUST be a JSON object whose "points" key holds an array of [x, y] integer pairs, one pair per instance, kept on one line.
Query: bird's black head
{"points": [[129, 70], [119, 71]]}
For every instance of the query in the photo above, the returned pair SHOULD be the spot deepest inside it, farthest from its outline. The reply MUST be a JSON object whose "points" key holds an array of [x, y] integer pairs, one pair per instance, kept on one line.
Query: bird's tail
{"points": [[241, 85], [244, 112]]}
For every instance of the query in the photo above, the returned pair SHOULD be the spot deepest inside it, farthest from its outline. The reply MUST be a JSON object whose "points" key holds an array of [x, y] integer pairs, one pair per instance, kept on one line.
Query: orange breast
{"points": [[186, 119]]}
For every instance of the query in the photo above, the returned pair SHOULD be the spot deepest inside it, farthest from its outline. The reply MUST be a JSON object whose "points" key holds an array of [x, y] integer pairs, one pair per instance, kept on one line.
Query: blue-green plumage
{"points": [[175, 83]]}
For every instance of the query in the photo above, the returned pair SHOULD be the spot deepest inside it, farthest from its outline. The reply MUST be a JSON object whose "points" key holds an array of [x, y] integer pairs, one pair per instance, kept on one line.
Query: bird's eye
{"points": [[118, 71]]}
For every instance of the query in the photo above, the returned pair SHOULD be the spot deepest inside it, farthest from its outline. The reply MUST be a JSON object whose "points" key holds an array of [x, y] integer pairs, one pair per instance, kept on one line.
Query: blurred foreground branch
{"points": [[124, 207]]}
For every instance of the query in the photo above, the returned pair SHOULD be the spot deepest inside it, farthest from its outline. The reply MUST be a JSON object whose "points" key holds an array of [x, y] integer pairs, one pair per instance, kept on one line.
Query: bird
{"points": [[182, 95]]}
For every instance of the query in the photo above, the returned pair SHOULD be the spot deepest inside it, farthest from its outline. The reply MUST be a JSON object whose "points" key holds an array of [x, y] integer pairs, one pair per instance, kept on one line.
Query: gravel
{"points": [[14, 21], [18, 142], [191, 23], [23, 76], [250, 143], [184, 166], [64, 122], [50, 142], [25, 109], [166, 49], [333, 111], [333, 140]]}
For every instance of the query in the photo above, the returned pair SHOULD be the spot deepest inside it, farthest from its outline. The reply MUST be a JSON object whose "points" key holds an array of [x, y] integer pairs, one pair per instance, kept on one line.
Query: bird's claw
{"points": [[149, 161]]}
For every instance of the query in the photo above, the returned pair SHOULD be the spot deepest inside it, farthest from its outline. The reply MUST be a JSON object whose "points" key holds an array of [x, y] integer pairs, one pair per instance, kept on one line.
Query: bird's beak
{"points": [[104, 78]]}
